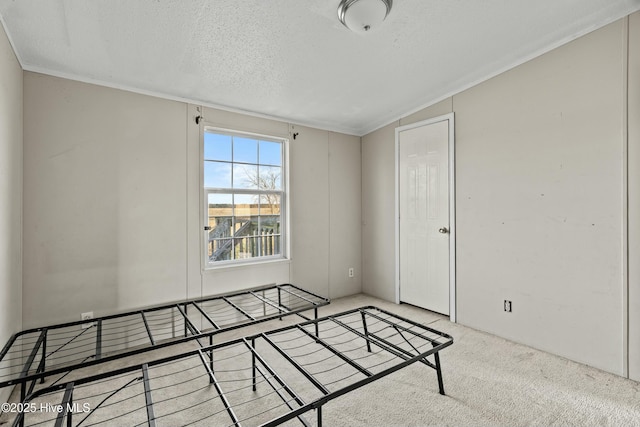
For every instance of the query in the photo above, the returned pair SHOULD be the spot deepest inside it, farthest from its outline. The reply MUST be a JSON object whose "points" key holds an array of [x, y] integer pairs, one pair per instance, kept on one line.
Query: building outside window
{"points": [[245, 197]]}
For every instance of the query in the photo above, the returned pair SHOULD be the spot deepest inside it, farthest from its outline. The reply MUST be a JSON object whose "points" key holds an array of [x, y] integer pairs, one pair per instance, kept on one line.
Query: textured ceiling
{"points": [[292, 59]]}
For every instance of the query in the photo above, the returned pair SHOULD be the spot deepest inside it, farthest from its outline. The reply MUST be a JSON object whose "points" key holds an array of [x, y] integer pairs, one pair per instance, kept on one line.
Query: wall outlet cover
{"points": [[87, 316]]}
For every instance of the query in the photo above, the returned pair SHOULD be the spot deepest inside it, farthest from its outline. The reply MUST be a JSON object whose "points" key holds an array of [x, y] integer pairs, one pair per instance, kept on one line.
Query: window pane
{"points": [[245, 176], [270, 237], [217, 147], [270, 204], [220, 226], [245, 205], [217, 175], [220, 212], [270, 224], [245, 150], [243, 226], [246, 247], [270, 153], [222, 199], [269, 244], [220, 249], [270, 178], [246, 214]]}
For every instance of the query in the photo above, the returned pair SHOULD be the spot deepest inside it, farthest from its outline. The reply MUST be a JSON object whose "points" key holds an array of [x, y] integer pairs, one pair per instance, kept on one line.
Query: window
{"points": [[244, 190]]}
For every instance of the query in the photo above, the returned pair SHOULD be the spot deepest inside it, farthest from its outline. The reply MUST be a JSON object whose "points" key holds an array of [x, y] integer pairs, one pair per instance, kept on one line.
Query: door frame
{"points": [[452, 203]]}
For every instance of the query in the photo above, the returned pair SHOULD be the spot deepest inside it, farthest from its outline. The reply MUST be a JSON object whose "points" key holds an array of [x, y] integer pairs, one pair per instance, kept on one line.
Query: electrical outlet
{"points": [[351, 272], [87, 316], [507, 306]]}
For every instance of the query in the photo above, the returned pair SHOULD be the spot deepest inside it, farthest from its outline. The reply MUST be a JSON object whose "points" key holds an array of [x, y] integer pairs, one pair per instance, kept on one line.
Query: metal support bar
{"points": [[416, 334], [211, 353], [113, 393], [366, 332], [380, 342], [405, 339], [280, 381], [207, 367], [206, 316], [425, 361], [265, 300], [296, 365], [297, 295], [33, 353], [336, 352], [66, 405], [70, 341], [8, 345], [43, 362], [279, 393], [252, 348], [238, 308], [280, 300], [187, 322], [99, 340], [146, 326], [29, 362], [151, 419], [308, 319], [63, 376], [387, 321], [403, 354], [225, 402], [439, 372]]}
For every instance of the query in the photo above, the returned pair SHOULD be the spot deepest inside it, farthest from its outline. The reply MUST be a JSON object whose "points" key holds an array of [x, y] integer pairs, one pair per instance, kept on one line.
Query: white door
{"points": [[423, 196]]}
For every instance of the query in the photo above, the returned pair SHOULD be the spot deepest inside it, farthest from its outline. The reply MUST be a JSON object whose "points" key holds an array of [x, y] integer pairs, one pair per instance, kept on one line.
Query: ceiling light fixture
{"points": [[363, 15]]}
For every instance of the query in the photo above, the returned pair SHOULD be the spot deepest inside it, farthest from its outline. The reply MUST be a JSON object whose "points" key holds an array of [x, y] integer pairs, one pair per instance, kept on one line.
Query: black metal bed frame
{"points": [[37, 353], [266, 379]]}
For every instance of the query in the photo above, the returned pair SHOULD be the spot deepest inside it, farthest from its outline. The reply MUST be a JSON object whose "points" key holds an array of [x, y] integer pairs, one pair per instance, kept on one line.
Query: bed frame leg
{"points": [[280, 300], [366, 333], [264, 304], [185, 320], [253, 365], [439, 372], [44, 355], [211, 354], [319, 416]]}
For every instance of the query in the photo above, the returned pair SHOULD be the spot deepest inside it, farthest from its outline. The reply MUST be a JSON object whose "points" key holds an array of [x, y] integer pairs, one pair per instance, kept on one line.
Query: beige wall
{"points": [[10, 194], [309, 180], [539, 201], [112, 203], [634, 196], [378, 223], [345, 215], [104, 200], [539, 153]]}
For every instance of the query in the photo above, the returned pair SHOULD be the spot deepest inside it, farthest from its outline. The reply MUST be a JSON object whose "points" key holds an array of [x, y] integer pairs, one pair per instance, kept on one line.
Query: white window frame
{"points": [[284, 201]]}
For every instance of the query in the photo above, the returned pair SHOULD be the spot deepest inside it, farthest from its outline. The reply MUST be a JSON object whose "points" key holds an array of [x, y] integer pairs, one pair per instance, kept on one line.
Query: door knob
{"points": [[443, 230]]}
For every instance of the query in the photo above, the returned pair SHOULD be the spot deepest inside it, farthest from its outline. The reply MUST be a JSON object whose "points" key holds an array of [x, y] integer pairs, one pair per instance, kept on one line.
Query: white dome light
{"points": [[363, 15]]}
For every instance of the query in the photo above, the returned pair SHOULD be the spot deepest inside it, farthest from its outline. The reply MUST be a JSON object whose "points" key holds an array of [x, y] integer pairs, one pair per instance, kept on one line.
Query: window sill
{"points": [[246, 264]]}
